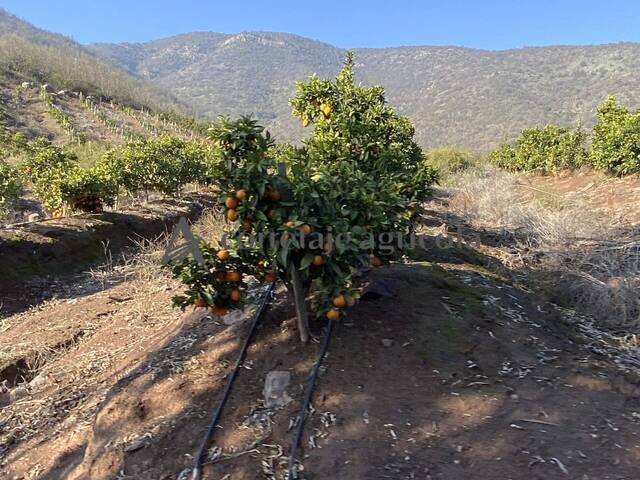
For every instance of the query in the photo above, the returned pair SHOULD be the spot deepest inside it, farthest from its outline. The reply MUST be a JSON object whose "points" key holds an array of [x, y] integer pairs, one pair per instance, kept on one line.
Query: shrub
{"points": [[10, 186], [88, 190], [547, 150], [162, 164], [359, 175], [47, 167], [616, 139], [449, 160]]}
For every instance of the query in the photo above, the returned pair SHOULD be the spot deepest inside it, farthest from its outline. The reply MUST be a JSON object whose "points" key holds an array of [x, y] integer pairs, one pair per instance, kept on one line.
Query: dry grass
{"points": [[589, 257]]}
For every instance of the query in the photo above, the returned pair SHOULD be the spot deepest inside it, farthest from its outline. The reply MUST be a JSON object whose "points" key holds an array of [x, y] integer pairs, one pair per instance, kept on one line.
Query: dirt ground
{"points": [[481, 379]]}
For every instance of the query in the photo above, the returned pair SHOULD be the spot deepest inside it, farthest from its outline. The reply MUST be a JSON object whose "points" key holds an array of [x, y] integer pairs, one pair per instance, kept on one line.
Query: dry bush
{"points": [[589, 258]]}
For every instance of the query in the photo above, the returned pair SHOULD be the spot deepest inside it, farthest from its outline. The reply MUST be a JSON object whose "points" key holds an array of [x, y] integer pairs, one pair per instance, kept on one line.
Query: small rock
{"points": [[37, 382], [232, 317], [137, 444], [18, 393], [387, 342], [275, 386]]}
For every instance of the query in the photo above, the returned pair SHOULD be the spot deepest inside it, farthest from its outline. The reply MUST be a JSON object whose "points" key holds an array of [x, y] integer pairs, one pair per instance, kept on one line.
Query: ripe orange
{"points": [[318, 260], [231, 202], [221, 275], [241, 194], [234, 276], [376, 261], [270, 276], [235, 295], [274, 195], [333, 314], [339, 301], [326, 109], [218, 310], [291, 224], [223, 254], [232, 215], [200, 303], [306, 229]]}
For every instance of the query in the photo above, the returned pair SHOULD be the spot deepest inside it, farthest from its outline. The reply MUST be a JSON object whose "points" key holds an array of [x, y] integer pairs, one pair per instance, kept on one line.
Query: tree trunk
{"points": [[299, 299]]}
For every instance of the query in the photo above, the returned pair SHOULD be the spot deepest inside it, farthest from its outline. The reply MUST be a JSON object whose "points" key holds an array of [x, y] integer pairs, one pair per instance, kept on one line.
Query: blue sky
{"points": [[480, 24]]}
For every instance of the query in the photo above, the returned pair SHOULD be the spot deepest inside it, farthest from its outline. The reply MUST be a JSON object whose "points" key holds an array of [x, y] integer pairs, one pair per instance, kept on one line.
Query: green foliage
{"points": [[616, 139], [47, 167], [87, 190], [450, 160], [360, 174], [162, 164], [10, 186], [548, 150]]}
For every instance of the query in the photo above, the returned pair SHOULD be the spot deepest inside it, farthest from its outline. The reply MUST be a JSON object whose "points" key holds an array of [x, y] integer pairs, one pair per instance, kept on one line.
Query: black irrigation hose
{"points": [[197, 467], [307, 399]]}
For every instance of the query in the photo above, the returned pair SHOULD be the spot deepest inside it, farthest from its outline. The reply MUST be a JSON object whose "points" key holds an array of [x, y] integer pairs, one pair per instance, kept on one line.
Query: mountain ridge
{"points": [[469, 97]]}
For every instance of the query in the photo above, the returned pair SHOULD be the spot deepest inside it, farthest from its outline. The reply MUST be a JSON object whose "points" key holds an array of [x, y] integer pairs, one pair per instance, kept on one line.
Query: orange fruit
{"points": [[328, 247], [222, 254], [221, 275], [376, 261], [232, 215], [339, 301], [200, 303], [241, 194], [333, 314], [306, 229], [234, 276], [326, 109], [247, 225], [235, 295], [218, 310], [318, 260], [274, 195], [291, 224], [231, 202]]}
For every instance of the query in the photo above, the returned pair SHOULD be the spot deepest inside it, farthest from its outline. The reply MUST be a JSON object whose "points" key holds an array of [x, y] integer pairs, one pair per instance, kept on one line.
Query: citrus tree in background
{"points": [[548, 149], [10, 186], [616, 139], [314, 216]]}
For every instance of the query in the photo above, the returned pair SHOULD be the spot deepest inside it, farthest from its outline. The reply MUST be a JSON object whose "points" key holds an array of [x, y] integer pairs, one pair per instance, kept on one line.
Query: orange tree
{"points": [[315, 216]]}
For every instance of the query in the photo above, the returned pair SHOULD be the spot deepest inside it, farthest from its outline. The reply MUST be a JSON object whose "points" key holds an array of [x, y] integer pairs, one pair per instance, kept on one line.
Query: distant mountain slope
{"points": [[466, 97]]}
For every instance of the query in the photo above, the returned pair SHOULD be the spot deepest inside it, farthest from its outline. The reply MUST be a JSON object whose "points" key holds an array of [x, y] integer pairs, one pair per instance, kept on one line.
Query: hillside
{"points": [[30, 54], [460, 96]]}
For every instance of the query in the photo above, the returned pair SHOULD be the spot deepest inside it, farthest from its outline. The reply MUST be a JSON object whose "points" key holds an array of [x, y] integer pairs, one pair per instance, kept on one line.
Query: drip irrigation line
{"points": [[292, 474], [197, 467]]}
